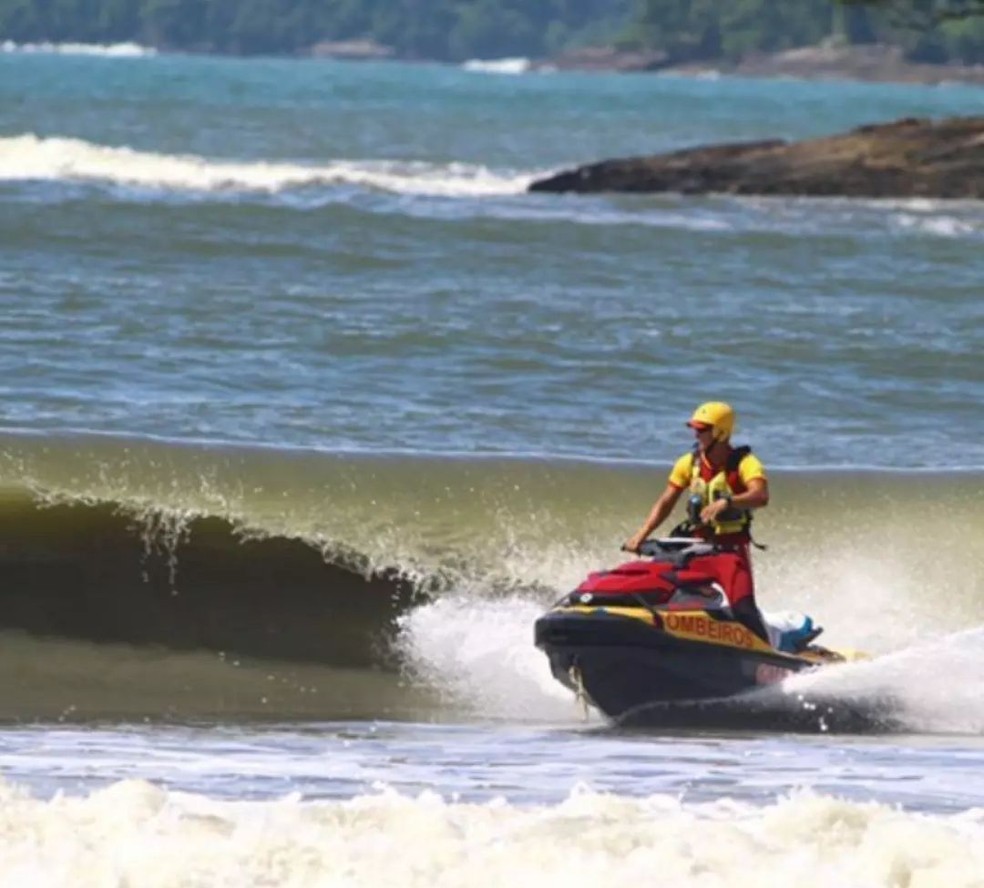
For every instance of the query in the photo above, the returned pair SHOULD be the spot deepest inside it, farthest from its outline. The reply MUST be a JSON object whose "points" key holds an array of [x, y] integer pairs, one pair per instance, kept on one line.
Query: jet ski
{"points": [[660, 631]]}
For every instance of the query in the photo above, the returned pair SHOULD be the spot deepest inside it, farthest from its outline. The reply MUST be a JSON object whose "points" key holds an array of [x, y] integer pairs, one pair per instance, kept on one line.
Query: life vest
{"points": [[727, 482]]}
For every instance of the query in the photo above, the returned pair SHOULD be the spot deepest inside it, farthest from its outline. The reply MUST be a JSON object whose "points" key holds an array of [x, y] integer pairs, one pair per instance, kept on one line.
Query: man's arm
{"points": [[755, 497], [661, 509]]}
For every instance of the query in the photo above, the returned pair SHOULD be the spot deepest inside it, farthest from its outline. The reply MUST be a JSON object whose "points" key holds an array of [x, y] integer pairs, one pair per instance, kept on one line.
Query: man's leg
{"points": [[736, 577]]}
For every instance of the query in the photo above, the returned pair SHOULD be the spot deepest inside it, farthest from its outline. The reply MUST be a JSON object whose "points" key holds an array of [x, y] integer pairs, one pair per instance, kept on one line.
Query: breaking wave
{"points": [[436, 567], [30, 157]]}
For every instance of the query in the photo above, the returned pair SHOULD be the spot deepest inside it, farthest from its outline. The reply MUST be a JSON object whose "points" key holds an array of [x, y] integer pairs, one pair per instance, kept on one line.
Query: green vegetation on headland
{"points": [[673, 31], [442, 30], [929, 31]]}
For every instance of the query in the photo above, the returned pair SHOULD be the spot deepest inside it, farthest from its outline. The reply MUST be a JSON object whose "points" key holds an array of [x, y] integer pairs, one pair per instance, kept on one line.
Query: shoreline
{"points": [[876, 63], [860, 64], [945, 75], [887, 67]]}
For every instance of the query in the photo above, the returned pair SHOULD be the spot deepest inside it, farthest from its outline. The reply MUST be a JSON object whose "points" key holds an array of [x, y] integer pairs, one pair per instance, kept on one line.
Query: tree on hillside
{"points": [[930, 30], [853, 23], [923, 13]]}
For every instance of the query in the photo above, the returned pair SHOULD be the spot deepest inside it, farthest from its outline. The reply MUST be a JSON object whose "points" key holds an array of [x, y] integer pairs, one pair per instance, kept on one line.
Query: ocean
{"points": [[309, 410]]}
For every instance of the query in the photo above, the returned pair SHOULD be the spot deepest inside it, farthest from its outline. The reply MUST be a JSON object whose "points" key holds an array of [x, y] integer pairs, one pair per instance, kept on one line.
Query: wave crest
{"points": [[126, 50], [29, 157]]}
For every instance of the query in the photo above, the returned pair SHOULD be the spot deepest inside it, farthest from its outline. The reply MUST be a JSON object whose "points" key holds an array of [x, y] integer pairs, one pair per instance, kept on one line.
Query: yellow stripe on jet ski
{"points": [[636, 613], [698, 626], [689, 625]]}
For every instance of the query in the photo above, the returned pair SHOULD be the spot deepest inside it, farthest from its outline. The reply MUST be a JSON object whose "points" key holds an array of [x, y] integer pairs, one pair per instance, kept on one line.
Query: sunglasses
{"points": [[701, 429]]}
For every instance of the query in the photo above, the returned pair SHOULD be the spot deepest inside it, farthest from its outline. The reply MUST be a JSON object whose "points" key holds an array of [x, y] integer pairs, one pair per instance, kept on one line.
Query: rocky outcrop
{"points": [[605, 58], [361, 50], [907, 158]]}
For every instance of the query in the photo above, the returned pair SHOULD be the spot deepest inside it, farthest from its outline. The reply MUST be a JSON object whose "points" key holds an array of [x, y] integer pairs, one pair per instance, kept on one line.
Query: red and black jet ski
{"points": [[660, 631]]}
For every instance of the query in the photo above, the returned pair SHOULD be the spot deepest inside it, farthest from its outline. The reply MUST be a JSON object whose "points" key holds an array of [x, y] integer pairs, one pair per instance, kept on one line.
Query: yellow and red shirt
{"points": [[748, 469], [710, 481]]}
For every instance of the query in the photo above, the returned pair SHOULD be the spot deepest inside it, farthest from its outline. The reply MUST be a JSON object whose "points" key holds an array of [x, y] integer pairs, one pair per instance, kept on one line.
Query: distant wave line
{"points": [[122, 50], [478, 456], [516, 65]]}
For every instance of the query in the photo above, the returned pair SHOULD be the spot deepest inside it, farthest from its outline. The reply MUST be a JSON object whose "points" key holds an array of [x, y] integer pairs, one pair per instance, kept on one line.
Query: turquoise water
{"points": [[341, 256], [308, 410]]}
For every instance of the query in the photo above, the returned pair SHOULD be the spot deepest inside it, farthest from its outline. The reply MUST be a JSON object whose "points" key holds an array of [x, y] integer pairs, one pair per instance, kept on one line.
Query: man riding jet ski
{"points": [[726, 483], [682, 626]]}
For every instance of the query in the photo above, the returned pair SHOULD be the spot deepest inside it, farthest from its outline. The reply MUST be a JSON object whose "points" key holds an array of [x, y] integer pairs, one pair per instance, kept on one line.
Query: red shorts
{"points": [[734, 568], [731, 569]]}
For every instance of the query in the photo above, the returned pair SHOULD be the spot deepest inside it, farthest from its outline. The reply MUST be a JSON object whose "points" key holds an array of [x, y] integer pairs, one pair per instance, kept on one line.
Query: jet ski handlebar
{"points": [[674, 547]]}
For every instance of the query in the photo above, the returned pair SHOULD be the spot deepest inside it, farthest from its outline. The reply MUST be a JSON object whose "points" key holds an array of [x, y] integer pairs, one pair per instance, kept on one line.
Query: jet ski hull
{"points": [[625, 661]]}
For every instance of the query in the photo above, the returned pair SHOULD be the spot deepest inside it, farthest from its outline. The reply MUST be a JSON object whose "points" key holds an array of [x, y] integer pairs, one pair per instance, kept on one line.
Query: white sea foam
{"points": [[600, 213], [933, 686], [941, 226], [135, 833], [28, 157], [480, 655], [498, 66], [110, 50]]}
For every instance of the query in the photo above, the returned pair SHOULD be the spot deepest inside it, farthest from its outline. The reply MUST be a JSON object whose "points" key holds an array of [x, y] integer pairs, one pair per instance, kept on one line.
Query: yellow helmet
{"points": [[716, 414]]}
